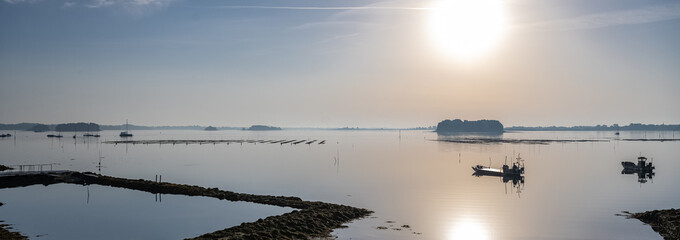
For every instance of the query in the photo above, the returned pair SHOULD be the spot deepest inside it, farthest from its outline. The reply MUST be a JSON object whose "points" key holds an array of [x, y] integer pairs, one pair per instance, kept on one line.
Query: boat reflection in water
{"points": [[643, 169], [506, 173]]}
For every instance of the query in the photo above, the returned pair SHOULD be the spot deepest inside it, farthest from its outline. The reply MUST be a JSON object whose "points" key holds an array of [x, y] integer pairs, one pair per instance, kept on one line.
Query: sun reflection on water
{"points": [[468, 229]]}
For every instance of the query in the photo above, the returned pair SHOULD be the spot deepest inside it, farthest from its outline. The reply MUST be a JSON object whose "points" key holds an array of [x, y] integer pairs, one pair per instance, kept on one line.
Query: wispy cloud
{"points": [[134, 7], [320, 8], [609, 19], [327, 24], [21, 1], [128, 3], [340, 37], [100, 3], [68, 4]]}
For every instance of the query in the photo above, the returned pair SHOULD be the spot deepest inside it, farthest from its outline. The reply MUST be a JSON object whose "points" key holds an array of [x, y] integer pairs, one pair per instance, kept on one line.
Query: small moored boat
{"points": [[126, 133], [515, 170], [641, 166]]}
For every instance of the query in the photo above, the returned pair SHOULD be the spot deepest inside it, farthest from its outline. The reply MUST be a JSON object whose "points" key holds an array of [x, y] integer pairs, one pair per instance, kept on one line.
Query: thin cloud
{"points": [[320, 8], [610, 19], [339, 37], [127, 3], [21, 1], [69, 4], [133, 7], [327, 24], [100, 3]]}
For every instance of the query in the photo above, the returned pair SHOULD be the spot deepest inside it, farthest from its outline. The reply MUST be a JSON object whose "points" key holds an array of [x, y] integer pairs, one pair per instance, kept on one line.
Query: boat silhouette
{"points": [[643, 169]]}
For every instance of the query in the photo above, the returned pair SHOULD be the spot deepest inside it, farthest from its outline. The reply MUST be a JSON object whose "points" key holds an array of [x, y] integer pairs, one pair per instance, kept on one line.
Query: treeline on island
{"points": [[64, 127], [457, 125], [85, 127], [261, 128], [77, 127]]}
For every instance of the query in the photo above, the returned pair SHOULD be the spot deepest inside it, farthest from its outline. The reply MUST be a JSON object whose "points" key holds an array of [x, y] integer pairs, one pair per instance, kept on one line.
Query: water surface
{"points": [[571, 190]]}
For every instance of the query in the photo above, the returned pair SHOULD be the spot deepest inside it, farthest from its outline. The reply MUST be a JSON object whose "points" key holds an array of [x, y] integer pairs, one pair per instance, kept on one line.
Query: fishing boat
{"points": [[126, 133], [641, 166], [642, 169], [516, 170], [506, 174], [487, 171]]}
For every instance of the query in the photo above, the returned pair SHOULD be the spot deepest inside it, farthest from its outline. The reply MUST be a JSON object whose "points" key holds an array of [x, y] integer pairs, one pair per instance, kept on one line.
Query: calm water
{"points": [[571, 190]]}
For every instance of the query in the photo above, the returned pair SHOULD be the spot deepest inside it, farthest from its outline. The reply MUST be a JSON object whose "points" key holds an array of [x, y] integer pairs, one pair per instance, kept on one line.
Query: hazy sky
{"points": [[336, 63]]}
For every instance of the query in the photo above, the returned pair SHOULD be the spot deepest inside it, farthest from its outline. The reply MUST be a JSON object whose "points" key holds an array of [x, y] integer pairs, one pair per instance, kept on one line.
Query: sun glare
{"points": [[466, 29], [468, 230]]}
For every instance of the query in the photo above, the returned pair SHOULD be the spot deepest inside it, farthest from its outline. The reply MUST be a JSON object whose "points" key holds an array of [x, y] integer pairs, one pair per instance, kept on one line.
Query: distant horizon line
{"points": [[344, 127]]}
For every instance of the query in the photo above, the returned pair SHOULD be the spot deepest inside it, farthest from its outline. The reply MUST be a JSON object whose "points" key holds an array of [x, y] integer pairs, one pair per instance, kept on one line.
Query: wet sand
{"points": [[311, 220]]}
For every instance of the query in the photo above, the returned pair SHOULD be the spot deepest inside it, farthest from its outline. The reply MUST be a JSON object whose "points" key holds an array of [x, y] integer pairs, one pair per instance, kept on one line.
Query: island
{"points": [[77, 127], [39, 128], [210, 128], [262, 128], [457, 125]]}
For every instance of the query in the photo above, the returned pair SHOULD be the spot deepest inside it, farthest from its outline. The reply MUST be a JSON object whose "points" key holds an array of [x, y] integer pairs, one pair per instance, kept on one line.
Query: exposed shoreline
{"points": [[6, 230], [665, 222], [548, 141], [311, 220], [516, 141]]}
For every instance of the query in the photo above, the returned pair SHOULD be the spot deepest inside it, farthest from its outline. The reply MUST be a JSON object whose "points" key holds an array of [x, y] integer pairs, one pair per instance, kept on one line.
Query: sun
{"points": [[466, 29]]}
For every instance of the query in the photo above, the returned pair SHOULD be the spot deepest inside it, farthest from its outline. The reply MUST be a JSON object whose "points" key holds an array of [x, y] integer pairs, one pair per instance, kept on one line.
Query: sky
{"points": [[339, 63]]}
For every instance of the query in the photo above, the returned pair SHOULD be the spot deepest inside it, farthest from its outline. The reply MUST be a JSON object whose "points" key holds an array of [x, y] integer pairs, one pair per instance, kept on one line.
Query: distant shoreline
{"points": [[631, 127], [614, 127]]}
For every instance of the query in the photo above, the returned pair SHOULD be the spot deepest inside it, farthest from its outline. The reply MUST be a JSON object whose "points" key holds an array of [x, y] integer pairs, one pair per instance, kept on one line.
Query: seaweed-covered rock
{"points": [[6, 233], [665, 222], [312, 219]]}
